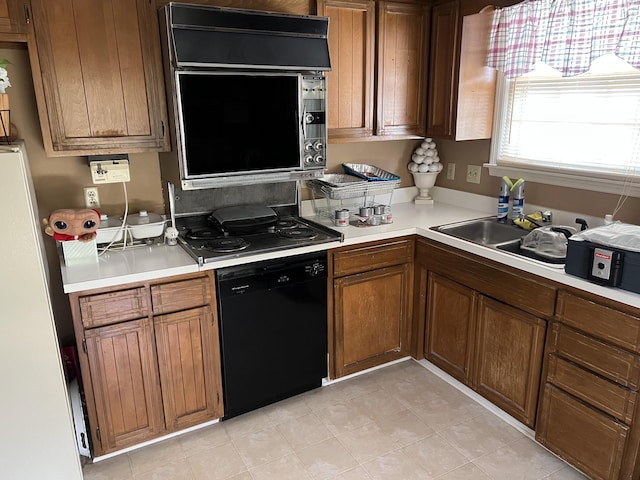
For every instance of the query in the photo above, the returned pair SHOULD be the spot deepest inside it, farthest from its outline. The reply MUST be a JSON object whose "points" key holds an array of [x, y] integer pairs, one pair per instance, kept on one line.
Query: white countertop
{"points": [[157, 261]]}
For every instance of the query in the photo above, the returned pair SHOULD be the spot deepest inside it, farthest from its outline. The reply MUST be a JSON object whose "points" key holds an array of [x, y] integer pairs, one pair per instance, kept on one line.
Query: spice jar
{"points": [[387, 217], [365, 213], [342, 218]]}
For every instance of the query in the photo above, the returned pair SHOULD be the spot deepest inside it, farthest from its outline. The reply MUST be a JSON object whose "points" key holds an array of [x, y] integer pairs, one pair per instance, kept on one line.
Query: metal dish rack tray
{"points": [[327, 199]]}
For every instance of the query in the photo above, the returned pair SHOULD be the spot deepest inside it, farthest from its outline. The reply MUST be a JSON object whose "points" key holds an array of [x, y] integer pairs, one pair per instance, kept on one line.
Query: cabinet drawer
{"points": [[113, 307], [607, 396], [371, 257], [603, 322], [588, 439], [610, 362], [171, 297]]}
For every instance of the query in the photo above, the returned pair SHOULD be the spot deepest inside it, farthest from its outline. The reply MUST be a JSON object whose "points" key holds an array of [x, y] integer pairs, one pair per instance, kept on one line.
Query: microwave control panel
{"points": [[314, 124]]}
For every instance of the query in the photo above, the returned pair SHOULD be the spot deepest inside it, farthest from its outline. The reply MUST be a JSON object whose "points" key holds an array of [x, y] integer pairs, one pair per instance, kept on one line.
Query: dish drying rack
{"points": [[364, 186]]}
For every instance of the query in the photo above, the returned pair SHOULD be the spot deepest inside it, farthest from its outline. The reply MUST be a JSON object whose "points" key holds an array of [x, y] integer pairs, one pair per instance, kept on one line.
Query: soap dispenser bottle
{"points": [[517, 207], [503, 199]]}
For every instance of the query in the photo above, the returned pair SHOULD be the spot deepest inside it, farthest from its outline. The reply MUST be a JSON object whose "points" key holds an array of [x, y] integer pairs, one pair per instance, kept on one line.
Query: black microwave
{"points": [[249, 127]]}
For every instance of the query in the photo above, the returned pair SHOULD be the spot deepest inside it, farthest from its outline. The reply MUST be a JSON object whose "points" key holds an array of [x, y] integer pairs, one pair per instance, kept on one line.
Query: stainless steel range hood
{"points": [[216, 37]]}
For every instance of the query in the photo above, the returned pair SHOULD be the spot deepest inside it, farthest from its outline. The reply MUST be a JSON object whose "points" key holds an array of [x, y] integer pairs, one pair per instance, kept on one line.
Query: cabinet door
{"points": [[189, 361], [585, 437], [403, 32], [351, 47], [14, 16], [371, 313], [98, 77], [443, 69], [451, 325], [124, 377], [509, 351]]}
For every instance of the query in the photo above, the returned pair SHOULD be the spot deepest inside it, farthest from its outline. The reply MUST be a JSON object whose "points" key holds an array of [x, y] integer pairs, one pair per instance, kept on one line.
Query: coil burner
{"points": [[226, 245], [298, 233]]}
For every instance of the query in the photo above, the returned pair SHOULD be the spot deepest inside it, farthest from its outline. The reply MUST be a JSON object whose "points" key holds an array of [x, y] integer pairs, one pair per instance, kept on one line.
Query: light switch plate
{"points": [[451, 171]]}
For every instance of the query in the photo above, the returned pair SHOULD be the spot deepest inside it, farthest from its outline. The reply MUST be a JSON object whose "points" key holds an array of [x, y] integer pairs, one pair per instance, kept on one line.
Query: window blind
{"points": [[589, 123]]}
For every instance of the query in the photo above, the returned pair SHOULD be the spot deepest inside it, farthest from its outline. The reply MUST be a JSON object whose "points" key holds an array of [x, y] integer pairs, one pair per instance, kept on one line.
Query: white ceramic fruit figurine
{"points": [[425, 166]]}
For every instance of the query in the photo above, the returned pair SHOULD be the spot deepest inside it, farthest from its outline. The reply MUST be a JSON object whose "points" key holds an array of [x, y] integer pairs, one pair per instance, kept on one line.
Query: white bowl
{"points": [[109, 230], [145, 225]]}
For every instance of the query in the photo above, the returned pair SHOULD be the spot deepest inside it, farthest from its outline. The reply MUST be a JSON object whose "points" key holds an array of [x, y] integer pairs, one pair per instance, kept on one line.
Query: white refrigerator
{"points": [[37, 439]]}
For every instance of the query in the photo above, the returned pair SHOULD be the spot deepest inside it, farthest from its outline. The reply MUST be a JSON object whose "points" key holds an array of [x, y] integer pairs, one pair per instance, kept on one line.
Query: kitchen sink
{"points": [[500, 236], [485, 231], [514, 247]]}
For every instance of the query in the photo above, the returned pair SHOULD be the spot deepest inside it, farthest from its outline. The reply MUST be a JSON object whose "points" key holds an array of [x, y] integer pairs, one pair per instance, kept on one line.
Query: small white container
{"points": [[145, 225], [109, 231]]}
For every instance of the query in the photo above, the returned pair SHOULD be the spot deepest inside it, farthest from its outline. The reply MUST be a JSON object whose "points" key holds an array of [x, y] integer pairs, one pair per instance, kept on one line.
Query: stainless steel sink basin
{"points": [[500, 236], [485, 231]]}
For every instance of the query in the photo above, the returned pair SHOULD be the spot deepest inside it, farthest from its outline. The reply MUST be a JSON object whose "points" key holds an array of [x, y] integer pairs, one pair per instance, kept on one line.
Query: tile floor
{"points": [[400, 422]]}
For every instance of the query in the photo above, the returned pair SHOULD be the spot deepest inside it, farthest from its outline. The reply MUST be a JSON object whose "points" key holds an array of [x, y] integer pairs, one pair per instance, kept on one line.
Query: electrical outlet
{"points": [[451, 171], [91, 199], [473, 173]]}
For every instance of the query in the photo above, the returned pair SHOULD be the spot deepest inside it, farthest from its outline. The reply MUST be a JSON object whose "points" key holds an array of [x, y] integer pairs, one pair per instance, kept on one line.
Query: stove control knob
{"points": [[308, 159], [308, 146], [318, 145], [309, 118], [318, 159]]}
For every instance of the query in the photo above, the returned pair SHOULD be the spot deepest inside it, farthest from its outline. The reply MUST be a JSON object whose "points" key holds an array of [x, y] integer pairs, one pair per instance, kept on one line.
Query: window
{"points": [[570, 129]]}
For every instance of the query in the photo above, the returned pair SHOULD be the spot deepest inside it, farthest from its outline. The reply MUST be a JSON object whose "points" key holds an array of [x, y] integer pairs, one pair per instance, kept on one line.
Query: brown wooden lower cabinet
{"points": [[148, 376], [126, 387], [473, 330], [589, 411], [509, 350], [372, 289], [491, 347], [582, 435], [451, 327], [187, 347]]}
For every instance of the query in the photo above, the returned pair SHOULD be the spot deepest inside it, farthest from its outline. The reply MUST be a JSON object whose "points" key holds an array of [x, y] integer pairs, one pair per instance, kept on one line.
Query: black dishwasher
{"points": [[273, 330]]}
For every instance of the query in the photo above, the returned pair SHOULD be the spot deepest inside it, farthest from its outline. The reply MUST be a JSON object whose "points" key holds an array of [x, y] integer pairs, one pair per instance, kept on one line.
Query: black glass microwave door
{"points": [[239, 123]]}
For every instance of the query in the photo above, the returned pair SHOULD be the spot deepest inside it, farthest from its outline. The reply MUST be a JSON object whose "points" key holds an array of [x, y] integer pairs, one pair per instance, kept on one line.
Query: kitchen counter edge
{"points": [[160, 261]]}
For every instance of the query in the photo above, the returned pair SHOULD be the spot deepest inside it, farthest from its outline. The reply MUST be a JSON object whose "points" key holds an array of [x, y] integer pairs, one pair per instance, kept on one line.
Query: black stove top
{"points": [[207, 241]]}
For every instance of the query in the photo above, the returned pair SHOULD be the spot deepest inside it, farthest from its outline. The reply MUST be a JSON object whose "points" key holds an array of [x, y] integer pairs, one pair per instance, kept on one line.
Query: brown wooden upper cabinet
{"points": [[461, 88], [368, 102], [98, 76], [15, 18]]}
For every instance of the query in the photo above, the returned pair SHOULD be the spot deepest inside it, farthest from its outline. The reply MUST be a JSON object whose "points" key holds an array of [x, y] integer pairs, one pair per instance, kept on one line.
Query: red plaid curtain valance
{"points": [[564, 34]]}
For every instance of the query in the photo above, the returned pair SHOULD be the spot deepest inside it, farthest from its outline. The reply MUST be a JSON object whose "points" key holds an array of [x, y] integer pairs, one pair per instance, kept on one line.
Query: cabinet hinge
{"points": [[162, 124], [213, 318], [98, 434], [27, 14], [84, 345]]}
